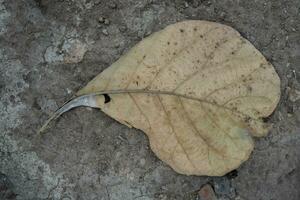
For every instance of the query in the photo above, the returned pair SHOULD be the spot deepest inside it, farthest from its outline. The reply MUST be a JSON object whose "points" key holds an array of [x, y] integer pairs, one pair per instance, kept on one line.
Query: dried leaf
{"points": [[197, 89]]}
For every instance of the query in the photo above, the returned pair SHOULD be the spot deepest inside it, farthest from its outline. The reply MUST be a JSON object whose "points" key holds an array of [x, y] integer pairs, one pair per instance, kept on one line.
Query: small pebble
{"points": [[186, 5], [142, 162], [105, 32], [222, 15], [147, 33], [222, 186], [101, 19], [69, 91], [207, 193]]}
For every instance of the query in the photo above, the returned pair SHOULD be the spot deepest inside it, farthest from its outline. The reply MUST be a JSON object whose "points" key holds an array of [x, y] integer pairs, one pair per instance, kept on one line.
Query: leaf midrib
{"points": [[158, 92]]}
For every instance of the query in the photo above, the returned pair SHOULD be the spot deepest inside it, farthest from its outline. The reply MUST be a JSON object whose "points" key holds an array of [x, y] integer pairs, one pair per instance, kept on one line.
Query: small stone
{"points": [[222, 186], [147, 33], [207, 193], [105, 32], [186, 5], [101, 20], [142, 162], [69, 91], [222, 15]]}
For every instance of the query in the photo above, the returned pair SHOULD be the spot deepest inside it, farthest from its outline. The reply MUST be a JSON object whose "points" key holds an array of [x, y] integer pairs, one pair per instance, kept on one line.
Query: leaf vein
{"points": [[197, 130], [140, 110], [217, 125], [174, 132], [212, 54], [232, 83], [245, 96], [167, 64]]}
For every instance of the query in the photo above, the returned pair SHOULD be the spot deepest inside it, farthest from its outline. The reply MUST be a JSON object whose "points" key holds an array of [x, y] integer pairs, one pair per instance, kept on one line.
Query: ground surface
{"points": [[51, 48]]}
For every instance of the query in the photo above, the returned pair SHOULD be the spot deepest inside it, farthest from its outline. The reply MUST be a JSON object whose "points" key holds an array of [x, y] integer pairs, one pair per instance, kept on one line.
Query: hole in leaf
{"points": [[106, 98]]}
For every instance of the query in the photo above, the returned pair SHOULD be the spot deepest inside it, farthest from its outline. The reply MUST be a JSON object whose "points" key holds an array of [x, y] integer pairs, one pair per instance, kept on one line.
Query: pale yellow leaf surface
{"points": [[198, 90]]}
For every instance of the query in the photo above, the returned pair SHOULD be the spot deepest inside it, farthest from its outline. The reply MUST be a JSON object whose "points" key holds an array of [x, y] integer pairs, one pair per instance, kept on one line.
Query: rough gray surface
{"points": [[51, 48]]}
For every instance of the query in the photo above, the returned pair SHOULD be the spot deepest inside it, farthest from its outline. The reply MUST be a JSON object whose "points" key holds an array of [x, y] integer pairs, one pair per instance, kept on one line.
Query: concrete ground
{"points": [[51, 48]]}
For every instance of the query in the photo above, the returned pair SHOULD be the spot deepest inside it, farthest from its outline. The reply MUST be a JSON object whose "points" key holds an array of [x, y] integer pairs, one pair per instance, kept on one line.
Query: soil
{"points": [[49, 49]]}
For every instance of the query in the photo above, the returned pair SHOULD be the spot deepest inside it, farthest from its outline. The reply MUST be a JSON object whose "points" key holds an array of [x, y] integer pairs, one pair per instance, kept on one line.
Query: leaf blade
{"points": [[196, 89]]}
